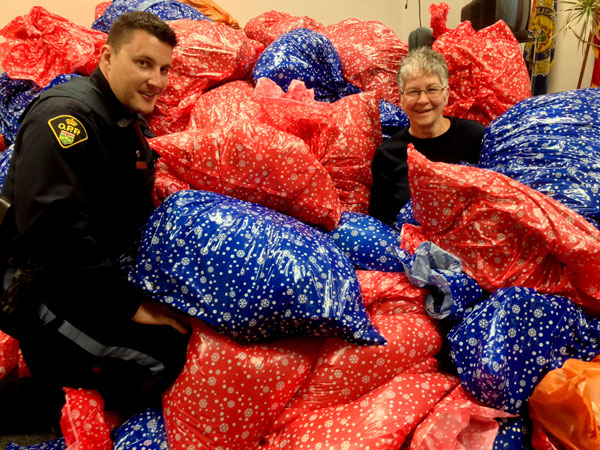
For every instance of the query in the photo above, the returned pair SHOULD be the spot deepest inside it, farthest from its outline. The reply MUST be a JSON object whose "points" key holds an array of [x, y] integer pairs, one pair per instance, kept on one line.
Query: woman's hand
{"points": [[155, 313]]}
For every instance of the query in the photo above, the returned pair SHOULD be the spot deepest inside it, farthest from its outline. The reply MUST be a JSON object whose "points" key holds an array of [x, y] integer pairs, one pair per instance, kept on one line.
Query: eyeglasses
{"points": [[433, 92]]}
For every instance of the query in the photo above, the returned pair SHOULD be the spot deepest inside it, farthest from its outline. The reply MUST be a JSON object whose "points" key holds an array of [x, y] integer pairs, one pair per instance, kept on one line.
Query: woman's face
{"points": [[424, 111]]}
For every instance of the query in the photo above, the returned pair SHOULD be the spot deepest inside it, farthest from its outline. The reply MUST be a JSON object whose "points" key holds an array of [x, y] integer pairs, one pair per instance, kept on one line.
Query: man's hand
{"points": [[155, 313]]}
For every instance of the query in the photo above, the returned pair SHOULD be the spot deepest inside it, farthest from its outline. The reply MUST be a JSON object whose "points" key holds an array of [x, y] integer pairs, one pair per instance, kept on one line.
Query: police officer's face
{"points": [[138, 72]]}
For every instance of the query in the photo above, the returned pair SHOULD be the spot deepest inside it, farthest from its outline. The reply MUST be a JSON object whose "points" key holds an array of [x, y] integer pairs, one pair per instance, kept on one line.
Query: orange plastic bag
{"points": [[213, 11], [566, 401]]}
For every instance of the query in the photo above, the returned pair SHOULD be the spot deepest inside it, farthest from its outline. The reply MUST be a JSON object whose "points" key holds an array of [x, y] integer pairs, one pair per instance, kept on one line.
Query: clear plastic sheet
{"points": [[367, 242], [40, 46], [250, 272], [504, 233], [487, 71], [308, 56], [453, 291], [508, 342], [551, 143]]}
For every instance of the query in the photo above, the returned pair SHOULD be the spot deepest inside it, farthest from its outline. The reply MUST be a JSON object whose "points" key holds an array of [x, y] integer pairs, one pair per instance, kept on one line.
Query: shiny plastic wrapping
{"points": [[565, 403], [308, 56], [228, 394], [165, 9], [458, 422], [381, 419], [250, 272], [207, 54], [370, 53], [40, 46], [9, 355], [268, 26], [551, 143], [5, 158], [145, 430], [487, 71], [511, 340], [345, 372], [505, 233], [367, 242], [255, 162]]}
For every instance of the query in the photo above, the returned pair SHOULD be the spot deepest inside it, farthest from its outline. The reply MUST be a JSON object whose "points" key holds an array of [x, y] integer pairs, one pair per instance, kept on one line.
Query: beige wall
{"points": [[563, 76]]}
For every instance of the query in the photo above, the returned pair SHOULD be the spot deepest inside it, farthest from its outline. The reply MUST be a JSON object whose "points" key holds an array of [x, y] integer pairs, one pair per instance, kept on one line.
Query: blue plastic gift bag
{"points": [[15, 96], [551, 143], [367, 242], [5, 158], [305, 55], [513, 434], [165, 9], [393, 119], [250, 272], [504, 347], [144, 431]]}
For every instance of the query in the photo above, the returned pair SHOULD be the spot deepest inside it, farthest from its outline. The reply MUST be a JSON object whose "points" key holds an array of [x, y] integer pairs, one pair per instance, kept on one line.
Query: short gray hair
{"points": [[422, 60]]}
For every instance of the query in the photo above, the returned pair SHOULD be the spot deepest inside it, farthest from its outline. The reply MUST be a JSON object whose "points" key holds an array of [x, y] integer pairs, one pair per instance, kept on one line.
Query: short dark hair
{"points": [[121, 31]]}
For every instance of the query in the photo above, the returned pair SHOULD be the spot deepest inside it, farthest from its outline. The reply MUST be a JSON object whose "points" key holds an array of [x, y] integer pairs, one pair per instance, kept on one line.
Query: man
{"points": [[79, 187], [423, 81]]}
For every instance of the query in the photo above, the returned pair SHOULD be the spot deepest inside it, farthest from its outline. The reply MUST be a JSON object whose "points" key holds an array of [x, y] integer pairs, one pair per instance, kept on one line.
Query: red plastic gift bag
{"points": [[267, 27], [458, 422], [505, 233], [371, 54], [224, 105], [565, 403], [9, 354], [257, 163], [390, 293], [487, 71], [207, 54], [345, 372], [228, 394], [166, 183], [381, 419], [40, 46], [84, 424], [346, 147], [343, 135]]}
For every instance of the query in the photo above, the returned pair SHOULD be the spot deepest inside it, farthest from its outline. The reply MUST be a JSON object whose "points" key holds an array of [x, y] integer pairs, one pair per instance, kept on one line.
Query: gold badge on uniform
{"points": [[68, 130]]}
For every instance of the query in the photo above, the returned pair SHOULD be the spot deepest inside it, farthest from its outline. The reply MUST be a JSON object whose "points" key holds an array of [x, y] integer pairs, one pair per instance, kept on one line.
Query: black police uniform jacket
{"points": [[80, 181]]}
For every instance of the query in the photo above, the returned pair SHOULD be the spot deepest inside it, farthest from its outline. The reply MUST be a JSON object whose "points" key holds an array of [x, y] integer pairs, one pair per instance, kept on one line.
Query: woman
{"points": [[423, 82]]}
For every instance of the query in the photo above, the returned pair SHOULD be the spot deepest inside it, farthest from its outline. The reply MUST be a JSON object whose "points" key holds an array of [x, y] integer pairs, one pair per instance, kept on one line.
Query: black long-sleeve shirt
{"points": [[390, 190]]}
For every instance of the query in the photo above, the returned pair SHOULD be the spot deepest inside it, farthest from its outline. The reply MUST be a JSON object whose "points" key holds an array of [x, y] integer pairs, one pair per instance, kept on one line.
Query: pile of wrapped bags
{"points": [[473, 324]]}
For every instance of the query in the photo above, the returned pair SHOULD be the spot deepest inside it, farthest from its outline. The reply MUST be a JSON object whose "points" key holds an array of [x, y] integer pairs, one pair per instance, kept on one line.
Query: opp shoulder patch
{"points": [[68, 130]]}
